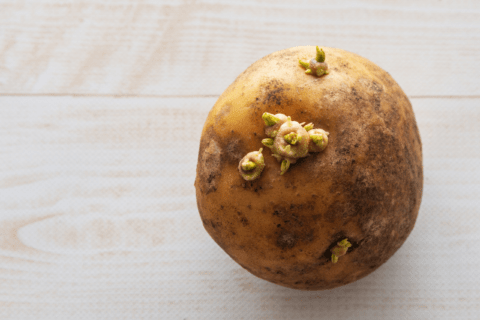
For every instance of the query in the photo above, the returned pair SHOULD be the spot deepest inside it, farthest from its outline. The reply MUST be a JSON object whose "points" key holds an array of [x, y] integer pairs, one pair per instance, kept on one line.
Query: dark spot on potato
{"points": [[323, 259], [286, 241], [297, 224], [274, 92], [255, 185], [234, 151], [342, 150], [356, 96], [209, 164], [309, 282], [224, 112], [243, 219], [215, 224], [377, 87], [308, 236]]}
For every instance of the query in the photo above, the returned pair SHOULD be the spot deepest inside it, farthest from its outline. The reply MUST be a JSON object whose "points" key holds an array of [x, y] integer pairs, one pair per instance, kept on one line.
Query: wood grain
{"points": [[197, 48], [101, 109], [99, 221]]}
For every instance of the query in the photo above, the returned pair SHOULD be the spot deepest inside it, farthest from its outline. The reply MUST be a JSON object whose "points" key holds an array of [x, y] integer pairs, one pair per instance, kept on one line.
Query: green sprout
{"points": [[249, 165], [340, 249], [306, 65], [292, 138], [270, 119], [321, 72], [268, 142], [308, 127], [289, 121], [284, 167], [252, 165], [334, 258], [320, 55], [316, 66], [288, 141], [273, 134], [277, 156], [317, 139], [345, 243]]}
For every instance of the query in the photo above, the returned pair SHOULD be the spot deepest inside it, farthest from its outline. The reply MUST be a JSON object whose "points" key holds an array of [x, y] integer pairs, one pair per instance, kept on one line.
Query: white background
{"points": [[101, 108]]}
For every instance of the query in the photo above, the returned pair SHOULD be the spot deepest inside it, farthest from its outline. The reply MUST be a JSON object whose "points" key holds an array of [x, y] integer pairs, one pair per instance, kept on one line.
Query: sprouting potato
{"points": [[326, 203]]}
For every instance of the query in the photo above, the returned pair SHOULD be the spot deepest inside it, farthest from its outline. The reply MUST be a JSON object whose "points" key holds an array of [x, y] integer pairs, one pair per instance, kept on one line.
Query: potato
{"points": [[365, 186]]}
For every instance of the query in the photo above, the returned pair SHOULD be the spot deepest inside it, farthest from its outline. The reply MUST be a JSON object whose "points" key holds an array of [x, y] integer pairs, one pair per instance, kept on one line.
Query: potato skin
{"points": [[365, 186]]}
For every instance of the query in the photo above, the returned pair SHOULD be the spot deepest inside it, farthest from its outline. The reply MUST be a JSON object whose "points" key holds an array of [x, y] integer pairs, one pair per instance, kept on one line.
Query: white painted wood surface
{"points": [[98, 217], [199, 47]]}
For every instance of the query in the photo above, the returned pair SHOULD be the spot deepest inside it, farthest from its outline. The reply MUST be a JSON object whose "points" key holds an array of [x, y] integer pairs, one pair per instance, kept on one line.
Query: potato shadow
{"points": [[384, 294]]}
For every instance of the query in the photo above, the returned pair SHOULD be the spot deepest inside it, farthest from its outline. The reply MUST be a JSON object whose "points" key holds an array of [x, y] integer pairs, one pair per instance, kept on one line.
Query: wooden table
{"points": [[101, 108]]}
